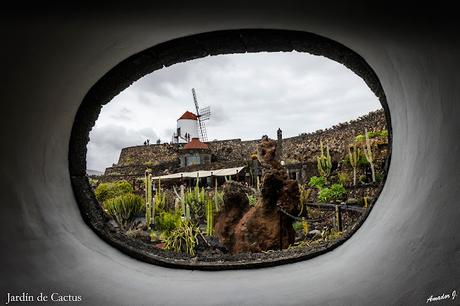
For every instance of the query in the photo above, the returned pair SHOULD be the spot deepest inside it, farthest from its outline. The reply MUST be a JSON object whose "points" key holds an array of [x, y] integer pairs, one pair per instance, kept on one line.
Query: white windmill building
{"points": [[191, 125]]}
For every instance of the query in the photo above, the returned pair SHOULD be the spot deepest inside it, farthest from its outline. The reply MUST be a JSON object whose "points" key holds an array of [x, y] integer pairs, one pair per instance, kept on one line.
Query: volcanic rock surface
{"points": [[264, 226]]}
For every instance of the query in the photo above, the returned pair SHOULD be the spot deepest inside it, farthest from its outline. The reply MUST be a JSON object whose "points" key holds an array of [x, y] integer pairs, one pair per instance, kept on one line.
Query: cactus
{"points": [[305, 227], [148, 198], [182, 201], [368, 154], [159, 201], [353, 156], [195, 203], [209, 217], [324, 162], [366, 199], [218, 198], [304, 195]]}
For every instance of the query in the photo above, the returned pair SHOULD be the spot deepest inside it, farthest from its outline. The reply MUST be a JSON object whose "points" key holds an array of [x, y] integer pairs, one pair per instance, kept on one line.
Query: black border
{"points": [[180, 50]]}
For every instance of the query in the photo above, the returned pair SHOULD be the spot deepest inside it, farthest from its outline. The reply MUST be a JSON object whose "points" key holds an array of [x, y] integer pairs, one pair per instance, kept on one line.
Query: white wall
{"points": [[187, 126]]}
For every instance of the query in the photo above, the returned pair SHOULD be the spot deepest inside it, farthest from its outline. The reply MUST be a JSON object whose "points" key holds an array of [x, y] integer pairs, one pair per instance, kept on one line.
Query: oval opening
{"points": [[238, 200]]}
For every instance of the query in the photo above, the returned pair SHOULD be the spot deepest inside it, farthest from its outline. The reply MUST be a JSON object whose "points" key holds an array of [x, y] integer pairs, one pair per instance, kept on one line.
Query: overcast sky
{"points": [[249, 94]]}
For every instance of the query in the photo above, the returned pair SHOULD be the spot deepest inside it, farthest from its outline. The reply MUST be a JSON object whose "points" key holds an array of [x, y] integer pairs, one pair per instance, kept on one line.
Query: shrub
{"points": [[301, 225], [195, 202], [378, 177], [252, 198], [182, 239], [167, 221], [297, 226], [107, 191], [343, 177], [218, 199], [304, 196], [92, 182], [384, 133], [334, 193], [124, 208], [317, 182]]}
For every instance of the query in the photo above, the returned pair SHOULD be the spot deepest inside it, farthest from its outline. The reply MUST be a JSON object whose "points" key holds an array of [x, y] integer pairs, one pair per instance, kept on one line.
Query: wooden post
{"points": [[338, 218]]}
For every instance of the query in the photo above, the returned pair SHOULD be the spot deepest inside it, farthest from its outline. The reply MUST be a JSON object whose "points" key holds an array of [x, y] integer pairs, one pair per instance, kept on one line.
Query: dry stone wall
{"points": [[164, 158]]}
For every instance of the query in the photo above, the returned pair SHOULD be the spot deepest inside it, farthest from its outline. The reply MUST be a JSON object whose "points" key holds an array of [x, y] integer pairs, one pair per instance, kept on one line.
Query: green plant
{"points": [[366, 200], [209, 217], [343, 178], [353, 157], [124, 208], [107, 191], [148, 198], [159, 200], [384, 133], [183, 238], [297, 226], [317, 182], [167, 222], [324, 162], [368, 154], [304, 195], [372, 134], [252, 198], [92, 182], [195, 202], [331, 234], [334, 193], [218, 198], [360, 138], [378, 177]]}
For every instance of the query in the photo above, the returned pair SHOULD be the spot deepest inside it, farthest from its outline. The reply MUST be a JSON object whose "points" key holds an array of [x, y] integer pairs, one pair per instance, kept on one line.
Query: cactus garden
{"points": [[261, 213]]}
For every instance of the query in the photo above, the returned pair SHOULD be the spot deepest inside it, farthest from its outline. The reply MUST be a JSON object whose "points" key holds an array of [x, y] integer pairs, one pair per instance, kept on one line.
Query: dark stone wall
{"points": [[164, 158]]}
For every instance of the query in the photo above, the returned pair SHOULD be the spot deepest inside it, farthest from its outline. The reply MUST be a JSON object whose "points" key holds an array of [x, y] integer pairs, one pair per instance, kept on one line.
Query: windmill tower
{"points": [[203, 114]]}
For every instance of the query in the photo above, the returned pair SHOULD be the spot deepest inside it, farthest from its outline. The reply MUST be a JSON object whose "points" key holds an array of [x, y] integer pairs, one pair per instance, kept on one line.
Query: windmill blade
{"points": [[196, 102], [204, 136], [205, 113]]}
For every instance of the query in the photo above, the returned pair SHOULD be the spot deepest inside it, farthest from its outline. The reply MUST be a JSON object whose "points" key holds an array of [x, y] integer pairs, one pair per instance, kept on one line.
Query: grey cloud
{"points": [[106, 143], [249, 94]]}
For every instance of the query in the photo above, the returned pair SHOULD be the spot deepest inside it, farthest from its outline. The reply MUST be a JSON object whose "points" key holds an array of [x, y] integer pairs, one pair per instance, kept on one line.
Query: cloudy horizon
{"points": [[250, 95]]}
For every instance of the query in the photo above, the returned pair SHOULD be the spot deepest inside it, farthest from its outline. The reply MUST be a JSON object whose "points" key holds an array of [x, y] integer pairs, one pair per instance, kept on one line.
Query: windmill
{"points": [[203, 115]]}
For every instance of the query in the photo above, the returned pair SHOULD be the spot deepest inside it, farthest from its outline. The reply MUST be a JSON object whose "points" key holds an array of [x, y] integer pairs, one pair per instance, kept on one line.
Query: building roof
{"points": [[201, 173], [188, 115], [196, 144]]}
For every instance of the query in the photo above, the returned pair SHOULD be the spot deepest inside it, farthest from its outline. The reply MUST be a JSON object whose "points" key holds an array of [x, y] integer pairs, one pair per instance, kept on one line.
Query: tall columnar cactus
{"points": [[353, 155], [324, 162], [209, 217], [160, 199], [182, 200], [148, 198], [368, 154]]}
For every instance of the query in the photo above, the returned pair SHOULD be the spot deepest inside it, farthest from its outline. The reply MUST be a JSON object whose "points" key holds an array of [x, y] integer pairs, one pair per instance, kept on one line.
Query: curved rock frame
{"points": [[181, 50]]}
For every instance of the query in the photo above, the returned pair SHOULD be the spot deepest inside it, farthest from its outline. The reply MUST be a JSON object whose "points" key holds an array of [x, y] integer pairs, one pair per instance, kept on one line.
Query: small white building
{"points": [[187, 128], [195, 153]]}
